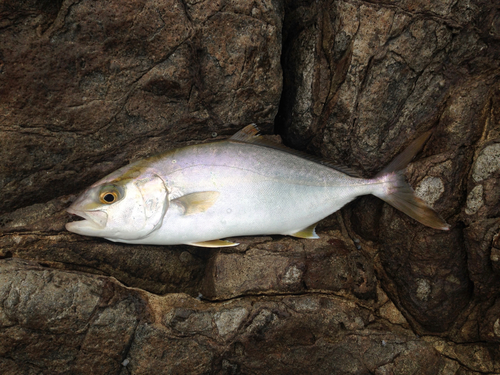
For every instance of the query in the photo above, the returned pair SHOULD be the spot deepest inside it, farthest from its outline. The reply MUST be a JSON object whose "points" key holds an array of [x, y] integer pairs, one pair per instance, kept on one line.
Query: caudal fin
{"points": [[399, 194]]}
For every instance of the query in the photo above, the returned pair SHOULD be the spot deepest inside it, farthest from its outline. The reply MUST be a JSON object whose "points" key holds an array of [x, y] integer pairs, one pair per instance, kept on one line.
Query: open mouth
{"points": [[83, 222], [74, 217]]}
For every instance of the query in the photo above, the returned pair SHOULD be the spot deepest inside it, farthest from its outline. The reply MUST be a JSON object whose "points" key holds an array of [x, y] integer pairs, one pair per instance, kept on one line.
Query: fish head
{"points": [[121, 209]]}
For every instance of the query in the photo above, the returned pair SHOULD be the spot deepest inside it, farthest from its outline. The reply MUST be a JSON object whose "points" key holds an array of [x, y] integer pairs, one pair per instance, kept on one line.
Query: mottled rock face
{"points": [[89, 86], [358, 80]]}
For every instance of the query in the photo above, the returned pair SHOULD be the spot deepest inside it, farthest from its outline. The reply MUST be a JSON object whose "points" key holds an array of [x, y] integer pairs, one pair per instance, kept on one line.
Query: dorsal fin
{"points": [[250, 134]]}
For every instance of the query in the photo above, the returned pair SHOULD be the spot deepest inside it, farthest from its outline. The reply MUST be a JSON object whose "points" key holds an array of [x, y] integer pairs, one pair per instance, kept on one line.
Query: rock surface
{"points": [[89, 86]]}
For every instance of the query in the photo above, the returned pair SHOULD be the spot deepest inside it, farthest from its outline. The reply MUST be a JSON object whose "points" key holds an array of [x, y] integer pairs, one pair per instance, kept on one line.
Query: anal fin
{"points": [[214, 243], [309, 232]]}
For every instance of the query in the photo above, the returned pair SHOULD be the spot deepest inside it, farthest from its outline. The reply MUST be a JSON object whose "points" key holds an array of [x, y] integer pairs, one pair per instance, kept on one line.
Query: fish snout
{"points": [[90, 223]]}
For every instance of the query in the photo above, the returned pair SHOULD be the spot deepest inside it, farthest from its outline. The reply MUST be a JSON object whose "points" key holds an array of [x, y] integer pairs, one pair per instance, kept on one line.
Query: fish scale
{"points": [[242, 186]]}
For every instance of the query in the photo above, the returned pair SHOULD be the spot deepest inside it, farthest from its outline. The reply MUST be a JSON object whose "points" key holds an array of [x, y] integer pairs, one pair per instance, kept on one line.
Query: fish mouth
{"points": [[86, 222]]}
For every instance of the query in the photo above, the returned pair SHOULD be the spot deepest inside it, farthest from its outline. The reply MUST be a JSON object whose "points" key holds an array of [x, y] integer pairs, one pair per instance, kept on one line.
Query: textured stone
{"points": [[89, 86], [63, 321], [383, 75], [121, 328], [487, 162], [474, 200], [290, 265], [430, 189]]}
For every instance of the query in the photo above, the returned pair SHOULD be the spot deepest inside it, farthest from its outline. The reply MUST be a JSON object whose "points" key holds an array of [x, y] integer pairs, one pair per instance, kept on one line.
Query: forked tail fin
{"points": [[399, 194]]}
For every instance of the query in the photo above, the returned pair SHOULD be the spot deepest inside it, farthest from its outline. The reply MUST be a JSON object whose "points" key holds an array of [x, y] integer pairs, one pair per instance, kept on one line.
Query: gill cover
{"points": [[144, 215]]}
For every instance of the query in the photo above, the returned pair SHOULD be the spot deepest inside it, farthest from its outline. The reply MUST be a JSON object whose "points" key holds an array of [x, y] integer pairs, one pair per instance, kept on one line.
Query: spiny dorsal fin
{"points": [[197, 202], [250, 134], [214, 243]]}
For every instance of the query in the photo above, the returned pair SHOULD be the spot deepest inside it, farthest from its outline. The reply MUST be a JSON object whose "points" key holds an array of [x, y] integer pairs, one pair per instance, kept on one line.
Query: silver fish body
{"points": [[200, 194]]}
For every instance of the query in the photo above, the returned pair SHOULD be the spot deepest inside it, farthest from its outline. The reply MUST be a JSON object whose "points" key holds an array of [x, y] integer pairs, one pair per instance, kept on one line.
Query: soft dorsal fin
{"points": [[250, 134], [197, 202]]}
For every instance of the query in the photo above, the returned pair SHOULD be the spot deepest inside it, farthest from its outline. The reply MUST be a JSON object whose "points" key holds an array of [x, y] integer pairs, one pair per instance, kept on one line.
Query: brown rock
{"points": [[63, 322], [88, 86], [99, 326], [359, 79], [290, 266]]}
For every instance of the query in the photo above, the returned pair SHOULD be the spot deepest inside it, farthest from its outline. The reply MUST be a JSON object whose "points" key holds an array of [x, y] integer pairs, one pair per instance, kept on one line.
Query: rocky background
{"points": [[88, 86]]}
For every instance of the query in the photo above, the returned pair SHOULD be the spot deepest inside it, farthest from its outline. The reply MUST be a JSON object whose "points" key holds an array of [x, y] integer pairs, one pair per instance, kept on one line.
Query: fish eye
{"points": [[108, 197]]}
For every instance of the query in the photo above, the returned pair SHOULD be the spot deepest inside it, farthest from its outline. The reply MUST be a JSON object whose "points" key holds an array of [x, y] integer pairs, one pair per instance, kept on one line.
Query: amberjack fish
{"points": [[243, 186]]}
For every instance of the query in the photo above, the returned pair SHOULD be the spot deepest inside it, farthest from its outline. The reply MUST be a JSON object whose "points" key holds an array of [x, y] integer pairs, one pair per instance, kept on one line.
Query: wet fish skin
{"points": [[242, 186]]}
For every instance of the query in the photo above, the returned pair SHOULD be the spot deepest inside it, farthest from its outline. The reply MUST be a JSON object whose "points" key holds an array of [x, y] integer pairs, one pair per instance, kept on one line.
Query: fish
{"points": [[245, 185]]}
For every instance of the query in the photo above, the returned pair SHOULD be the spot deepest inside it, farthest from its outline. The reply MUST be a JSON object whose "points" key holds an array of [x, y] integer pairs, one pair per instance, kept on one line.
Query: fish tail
{"points": [[399, 194]]}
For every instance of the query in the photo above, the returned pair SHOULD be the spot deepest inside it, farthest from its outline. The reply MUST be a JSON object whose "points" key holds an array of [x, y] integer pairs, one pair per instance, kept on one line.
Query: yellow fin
{"points": [[400, 194], [214, 243], [195, 203], [309, 232]]}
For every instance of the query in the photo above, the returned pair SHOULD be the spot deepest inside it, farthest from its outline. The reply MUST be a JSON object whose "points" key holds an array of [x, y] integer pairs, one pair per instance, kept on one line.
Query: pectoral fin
{"points": [[195, 203], [214, 243], [309, 232]]}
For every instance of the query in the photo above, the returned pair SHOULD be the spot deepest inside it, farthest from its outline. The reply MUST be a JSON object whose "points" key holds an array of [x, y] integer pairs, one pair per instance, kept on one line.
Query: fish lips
{"points": [[93, 222]]}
